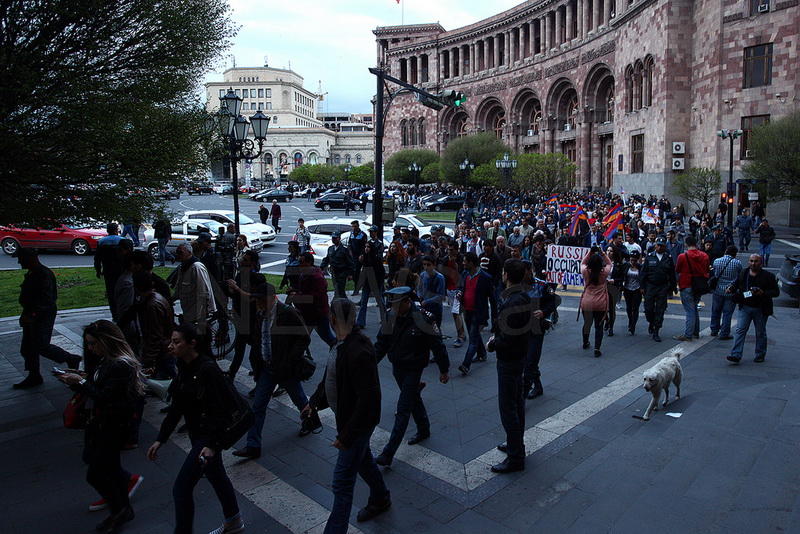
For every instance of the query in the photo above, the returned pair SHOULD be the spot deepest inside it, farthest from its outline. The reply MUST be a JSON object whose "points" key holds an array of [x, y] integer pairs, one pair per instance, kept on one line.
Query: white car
{"points": [[187, 231], [264, 232], [321, 230], [408, 220], [222, 187], [301, 193]]}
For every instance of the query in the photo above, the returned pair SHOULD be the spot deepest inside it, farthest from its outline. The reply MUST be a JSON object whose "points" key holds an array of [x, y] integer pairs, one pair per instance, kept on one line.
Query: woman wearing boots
{"points": [[595, 269], [632, 289], [614, 285]]}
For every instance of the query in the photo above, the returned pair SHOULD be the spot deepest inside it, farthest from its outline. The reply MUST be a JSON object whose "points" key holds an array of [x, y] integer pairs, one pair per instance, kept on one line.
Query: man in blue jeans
{"points": [[726, 270], [352, 390], [477, 292], [691, 264], [284, 340], [754, 289]]}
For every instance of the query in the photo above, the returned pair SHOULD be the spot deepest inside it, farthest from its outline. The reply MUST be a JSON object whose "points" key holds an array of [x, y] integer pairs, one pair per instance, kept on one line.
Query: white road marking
{"points": [[10, 332], [271, 264], [795, 245]]}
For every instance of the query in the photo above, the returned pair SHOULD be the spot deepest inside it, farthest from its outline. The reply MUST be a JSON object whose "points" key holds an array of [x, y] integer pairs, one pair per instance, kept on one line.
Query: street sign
{"points": [[753, 195]]}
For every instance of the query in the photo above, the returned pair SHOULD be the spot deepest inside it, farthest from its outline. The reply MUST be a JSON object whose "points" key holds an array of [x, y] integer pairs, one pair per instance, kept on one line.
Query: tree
{"points": [[431, 174], [99, 107], [478, 149], [485, 174], [304, 174], [396, 167], [698, 185], [363, 174], [544, 174], [776, 157]]}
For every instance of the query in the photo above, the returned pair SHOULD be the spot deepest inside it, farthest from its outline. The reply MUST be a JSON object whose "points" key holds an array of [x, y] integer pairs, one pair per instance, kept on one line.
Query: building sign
{"points": [[564, 264]]}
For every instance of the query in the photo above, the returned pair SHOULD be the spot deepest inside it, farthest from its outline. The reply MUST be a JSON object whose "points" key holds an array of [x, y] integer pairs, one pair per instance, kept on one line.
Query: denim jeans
{"points": [[163, 253], [744, 240], [746, 315], [689, 301], [372, 288], [131, 230], [765, 251], [355, 460], [722, 306], [265, 387], [511, 400], [190, 474], [409, 404], [475, 346], [325, 331], [36, 337]]}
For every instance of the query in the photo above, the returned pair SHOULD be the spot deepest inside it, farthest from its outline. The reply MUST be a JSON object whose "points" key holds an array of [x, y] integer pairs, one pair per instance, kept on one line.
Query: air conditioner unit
{"points": [[530, 133], [763, 8], [678, 147], [677, 164], [567, 127], [749, 154]]}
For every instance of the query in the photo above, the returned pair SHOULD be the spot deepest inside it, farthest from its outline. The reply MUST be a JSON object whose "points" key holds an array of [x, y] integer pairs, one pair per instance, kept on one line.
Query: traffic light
{"points": [[429, 102], [453, 98], [723, 198]]}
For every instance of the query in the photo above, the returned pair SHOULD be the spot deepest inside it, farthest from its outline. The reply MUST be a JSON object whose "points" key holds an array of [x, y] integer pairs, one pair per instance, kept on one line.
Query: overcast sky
{"points": [[332, 40]]}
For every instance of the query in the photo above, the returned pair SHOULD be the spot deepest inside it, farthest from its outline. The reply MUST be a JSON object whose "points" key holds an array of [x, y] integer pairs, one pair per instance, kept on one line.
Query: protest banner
{"points": [[564, 264]]}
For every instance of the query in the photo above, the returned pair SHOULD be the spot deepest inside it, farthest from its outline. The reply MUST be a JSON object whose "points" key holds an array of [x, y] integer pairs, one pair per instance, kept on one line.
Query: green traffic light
{"points": [[460, 99]]}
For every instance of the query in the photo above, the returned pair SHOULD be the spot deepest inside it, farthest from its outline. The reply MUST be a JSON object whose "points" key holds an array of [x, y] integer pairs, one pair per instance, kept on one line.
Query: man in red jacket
{"points": [[275, 213], [692, 263], [311, 298]]}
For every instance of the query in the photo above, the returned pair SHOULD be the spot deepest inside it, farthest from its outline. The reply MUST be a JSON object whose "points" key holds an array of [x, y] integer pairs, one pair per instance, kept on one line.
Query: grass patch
{"points": [[438, 216], [78, 287]]}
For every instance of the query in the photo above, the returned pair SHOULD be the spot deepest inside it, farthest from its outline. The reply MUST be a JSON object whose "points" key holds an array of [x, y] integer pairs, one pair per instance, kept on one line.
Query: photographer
{"points": [[753, 291]]}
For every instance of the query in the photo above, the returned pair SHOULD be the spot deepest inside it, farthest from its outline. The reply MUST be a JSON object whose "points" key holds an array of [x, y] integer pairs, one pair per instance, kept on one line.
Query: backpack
{"points": [[240, 420]]}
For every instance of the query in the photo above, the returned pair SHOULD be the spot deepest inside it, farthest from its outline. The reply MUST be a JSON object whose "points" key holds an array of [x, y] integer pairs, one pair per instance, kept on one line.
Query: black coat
{"points": [[763, 280], [358, 389], [289, 339], [513, 324], [408, 340]]}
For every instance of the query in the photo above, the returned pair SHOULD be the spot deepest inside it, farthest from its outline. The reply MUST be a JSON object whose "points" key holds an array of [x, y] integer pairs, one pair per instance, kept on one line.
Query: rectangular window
{"points": [[260, 93], [637, 153], [269, 105], [245, 106], [238, 92], [269, 93], [748, 125], [260, 106], [755, 4], [758, 65], [252, 93], [221, 93]]}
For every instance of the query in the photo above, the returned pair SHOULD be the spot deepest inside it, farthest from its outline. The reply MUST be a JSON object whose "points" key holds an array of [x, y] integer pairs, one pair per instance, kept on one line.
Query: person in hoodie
{"points": [[692, 263]]}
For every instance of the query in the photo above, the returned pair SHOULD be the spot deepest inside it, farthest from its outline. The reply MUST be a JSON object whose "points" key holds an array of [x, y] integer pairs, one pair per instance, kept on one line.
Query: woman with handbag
{"points": [[595, 269], [204, 398], [114, 389]]}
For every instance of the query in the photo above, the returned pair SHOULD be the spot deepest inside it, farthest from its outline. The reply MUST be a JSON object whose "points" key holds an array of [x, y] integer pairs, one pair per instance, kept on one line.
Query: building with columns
{"points": [[633, 91], [296, 134]]}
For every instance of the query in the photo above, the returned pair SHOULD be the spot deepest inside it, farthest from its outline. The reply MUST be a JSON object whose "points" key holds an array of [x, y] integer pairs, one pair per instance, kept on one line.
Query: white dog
{"points": [[658, 378]]}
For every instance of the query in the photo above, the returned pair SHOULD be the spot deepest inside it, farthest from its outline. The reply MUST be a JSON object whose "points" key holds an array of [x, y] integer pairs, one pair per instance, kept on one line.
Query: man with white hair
{"points": [[516, 239], [193, 288]]}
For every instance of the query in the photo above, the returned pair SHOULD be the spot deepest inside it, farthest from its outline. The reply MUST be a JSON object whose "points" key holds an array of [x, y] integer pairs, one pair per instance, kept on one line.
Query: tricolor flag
{"points": [[613, 227], [552, 200], [649, 216], [568, 206], [612, 214], [575, 223]]}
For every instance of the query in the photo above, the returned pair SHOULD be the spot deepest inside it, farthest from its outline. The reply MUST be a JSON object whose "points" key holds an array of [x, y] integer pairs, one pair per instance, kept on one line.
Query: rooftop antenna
{"points": [[233, 58], [266, 61]]}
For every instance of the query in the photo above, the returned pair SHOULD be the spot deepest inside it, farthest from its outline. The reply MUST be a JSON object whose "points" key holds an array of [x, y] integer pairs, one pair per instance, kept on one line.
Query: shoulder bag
{"points": [[700, 284], [76, 414], [713, 280]]}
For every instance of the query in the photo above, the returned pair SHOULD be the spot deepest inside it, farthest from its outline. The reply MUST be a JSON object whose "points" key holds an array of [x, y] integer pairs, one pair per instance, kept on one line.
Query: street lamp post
{"points": [[730, 135], [506, 165], [466, 168], [347, 169], [415, 171], [234, 129]]}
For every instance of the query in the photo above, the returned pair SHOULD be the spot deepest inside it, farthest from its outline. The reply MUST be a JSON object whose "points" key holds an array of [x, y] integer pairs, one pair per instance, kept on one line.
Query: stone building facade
{"points": [[633, 91]]}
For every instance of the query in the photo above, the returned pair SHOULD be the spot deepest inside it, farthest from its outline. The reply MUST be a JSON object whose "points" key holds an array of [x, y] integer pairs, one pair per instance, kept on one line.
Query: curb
{"points": [[63, 313]]}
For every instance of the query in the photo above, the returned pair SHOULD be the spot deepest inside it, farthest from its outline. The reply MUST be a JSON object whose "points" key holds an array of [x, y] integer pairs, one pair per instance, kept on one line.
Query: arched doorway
{"points": [[598, 94], [527, 116], [491, 117], [455, 124], [564, 115]]}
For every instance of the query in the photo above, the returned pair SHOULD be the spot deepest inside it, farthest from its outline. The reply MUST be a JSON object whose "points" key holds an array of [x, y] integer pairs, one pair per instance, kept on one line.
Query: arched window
{"points": [[637, 85], [403, 133], [536, 123], [499, 125], [298, 159], [337, 159], [610, 106], [649, 65], [312, 158], [421, 136], [572, 112], [268, 159], [347, 158], [629, 89], [412, 132], [358, 159]]}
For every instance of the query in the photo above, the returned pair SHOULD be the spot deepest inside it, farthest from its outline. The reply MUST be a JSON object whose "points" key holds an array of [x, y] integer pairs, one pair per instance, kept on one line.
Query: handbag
{"points": [[76, 414], [699, 283], [240, 420], [306, 366], [713, 280]]}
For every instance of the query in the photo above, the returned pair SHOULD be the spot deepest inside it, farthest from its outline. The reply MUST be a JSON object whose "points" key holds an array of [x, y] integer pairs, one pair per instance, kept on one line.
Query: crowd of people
{"points": [[491, 274]]}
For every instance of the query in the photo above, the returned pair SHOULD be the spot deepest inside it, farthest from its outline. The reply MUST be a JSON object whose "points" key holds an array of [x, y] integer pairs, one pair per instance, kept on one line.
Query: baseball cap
{"points": [[399, 293], [373, 228], [204, 237], [336, 233]]}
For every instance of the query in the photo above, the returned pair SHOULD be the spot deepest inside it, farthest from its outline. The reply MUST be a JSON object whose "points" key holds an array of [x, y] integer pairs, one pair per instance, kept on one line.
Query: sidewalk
{"points": [[728, 464]]}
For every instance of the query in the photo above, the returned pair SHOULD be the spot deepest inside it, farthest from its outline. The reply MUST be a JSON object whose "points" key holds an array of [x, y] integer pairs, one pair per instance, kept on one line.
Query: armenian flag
{"points": [[614, 227], [575, 223], [552, 200], [612, 214], [570, 207]]}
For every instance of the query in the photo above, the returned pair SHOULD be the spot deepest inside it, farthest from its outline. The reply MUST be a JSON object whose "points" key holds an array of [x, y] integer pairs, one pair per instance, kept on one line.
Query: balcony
{"points": [[528, 140]]}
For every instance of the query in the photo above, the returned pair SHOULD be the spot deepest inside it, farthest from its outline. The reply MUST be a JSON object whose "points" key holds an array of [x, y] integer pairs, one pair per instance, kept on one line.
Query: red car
{"points": [[80, 240]]}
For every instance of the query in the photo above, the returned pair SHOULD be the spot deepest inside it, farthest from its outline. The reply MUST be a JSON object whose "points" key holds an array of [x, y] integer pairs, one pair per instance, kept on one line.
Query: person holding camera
{"points": [[753, 290]]}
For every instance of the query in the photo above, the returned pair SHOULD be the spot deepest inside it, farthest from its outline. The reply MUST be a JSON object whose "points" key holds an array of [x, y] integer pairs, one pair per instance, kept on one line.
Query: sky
{"points": [[331, 40]]}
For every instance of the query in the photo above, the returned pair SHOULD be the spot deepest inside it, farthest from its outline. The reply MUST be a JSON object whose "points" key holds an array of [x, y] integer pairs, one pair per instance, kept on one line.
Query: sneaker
{"points": [[372, 510], [31, 381], [133, 485], [458, 343], [464, 370], [681, 338], [733, 359], [234, 527]]}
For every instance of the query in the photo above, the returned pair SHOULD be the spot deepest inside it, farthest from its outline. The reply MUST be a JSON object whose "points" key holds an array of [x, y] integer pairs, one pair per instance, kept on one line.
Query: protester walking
{"points": [[595, 269], [203, 397], [107, 262], [658, 282], [162, 232], [155, 319], [311, 298], [614, 287], [340, 263], [543, 307], [632, 290], [692, 270], [726, 271], [753, 290], [477, 297], [248, 328], [351, 388], [114, 388], [766, 235], [372, 275], [275, 215]]}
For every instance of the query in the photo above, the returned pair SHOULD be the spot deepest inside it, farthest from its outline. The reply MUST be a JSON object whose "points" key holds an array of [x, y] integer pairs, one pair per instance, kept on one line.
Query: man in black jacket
{"points": [[754, 290], [511, 330], [340, 263], [351, 388], [658, 281], [373, 274], [407, 336]]}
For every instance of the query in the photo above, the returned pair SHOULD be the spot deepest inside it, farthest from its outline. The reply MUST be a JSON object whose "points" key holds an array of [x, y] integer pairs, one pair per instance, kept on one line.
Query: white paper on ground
{"points": [[674, 414]]}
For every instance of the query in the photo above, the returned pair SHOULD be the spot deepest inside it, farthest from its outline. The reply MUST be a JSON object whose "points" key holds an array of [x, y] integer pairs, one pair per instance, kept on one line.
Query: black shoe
{"points": [[597, 353], [383, 459], [631, 332], [508, 466], [112, 523], [251, 453], [759, 358], [480, 358], [535, 392], [713, 334], [610, 333], [503, 447], [73, 361], [31, 381], [464, 370], [278, 392], [586, 345], [373, 510], [656, 336], [419, 438], [733, 359], [310, 425]]}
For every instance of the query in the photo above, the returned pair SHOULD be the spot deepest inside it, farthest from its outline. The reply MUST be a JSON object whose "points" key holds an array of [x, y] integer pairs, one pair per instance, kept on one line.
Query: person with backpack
{"points": [[205, 399]]}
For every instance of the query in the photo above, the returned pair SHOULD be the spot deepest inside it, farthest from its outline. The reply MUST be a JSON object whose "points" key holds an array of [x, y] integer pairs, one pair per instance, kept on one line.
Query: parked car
{"points": [[320, 247], [446, 203], [247, 226], [789, 276], [168, 193], [202, 188], [268, 195], [331, 201], [411, 221], [78, 238], [187, 231], [223, 188]]}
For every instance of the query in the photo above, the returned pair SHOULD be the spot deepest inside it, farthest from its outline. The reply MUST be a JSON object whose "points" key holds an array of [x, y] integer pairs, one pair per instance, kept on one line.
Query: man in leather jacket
{"points": [[407, 336], [340, 263]]}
